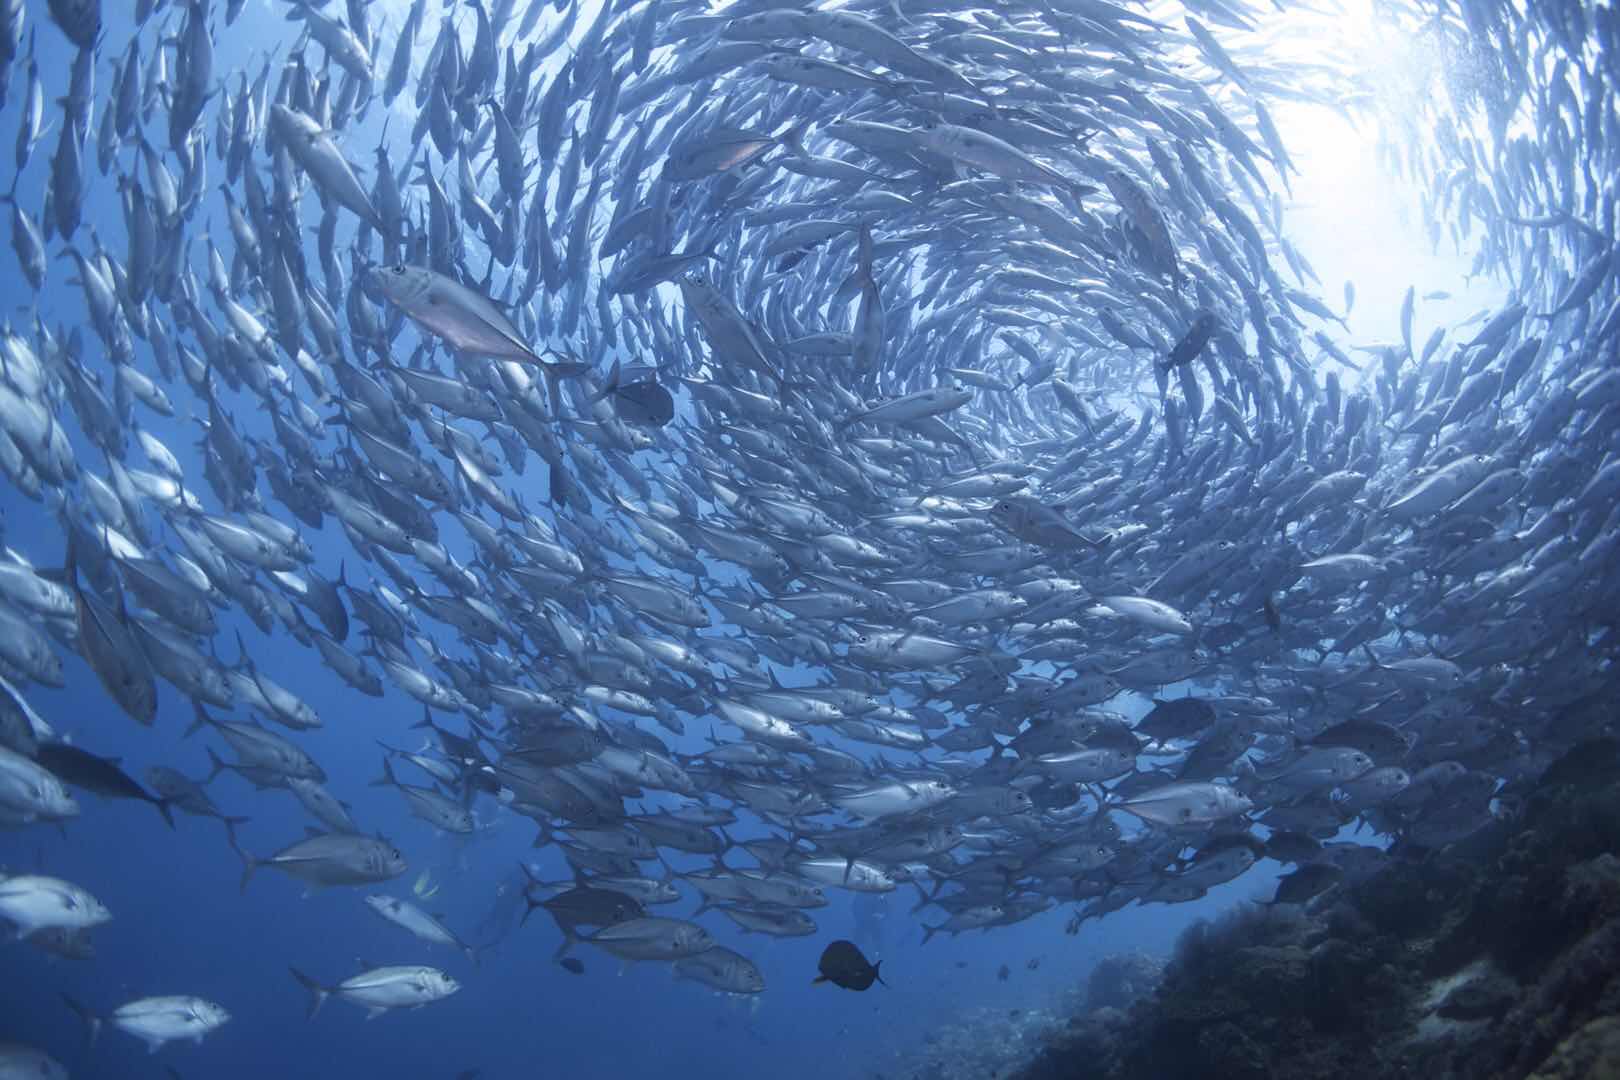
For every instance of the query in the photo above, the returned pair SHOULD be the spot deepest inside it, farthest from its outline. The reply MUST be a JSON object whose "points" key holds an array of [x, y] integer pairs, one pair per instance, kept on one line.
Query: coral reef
{"points": [[982, 1043], [1496, 958], [1120, 981]]}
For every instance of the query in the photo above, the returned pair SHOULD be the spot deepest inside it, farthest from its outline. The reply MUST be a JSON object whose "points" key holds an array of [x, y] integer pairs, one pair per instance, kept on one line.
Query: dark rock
{"points": [[1593, 1051], [1228, 1051], [1592, 889], [1271, 977], [1122, 980], [1586, 765], [1338, 989]]}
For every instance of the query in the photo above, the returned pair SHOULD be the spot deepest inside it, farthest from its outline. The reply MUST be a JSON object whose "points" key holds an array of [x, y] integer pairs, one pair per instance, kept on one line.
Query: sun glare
{"points": [[1351, 216]]}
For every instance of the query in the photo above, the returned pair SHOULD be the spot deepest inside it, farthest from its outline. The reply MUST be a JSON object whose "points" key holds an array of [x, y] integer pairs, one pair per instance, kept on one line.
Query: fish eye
{"points": [[398, 268]]}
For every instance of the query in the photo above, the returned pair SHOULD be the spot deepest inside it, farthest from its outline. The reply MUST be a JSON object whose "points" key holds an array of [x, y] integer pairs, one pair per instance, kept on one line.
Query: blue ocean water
{"points": [[183, 922]]}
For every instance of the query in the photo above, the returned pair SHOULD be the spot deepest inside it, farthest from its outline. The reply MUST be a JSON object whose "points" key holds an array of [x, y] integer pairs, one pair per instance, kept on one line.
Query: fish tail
{"points": [[387, 778], [555, 373], [609, 386], [318, 993], [1080, 191], [569, 940], [230, 824], [91, 1020], [249, 864], [791, 139]]}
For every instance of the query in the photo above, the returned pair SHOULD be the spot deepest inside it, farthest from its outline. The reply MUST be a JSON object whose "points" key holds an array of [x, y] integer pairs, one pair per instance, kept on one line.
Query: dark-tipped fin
{"points": [[91, 1020], [317, 992]]}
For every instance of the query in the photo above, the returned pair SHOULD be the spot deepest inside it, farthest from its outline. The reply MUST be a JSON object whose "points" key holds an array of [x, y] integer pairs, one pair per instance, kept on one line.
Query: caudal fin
{"points": [[554, 375], [610, 385], [570, 939], [387, 778], [230, 829], [218, 766], [531, 903], [317, 993], [91, 1020], [200, 721], [249, 864]]}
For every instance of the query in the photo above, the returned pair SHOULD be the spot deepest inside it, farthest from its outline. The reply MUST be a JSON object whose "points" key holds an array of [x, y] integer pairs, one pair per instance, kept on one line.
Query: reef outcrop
{"points": [[1497, 958]]}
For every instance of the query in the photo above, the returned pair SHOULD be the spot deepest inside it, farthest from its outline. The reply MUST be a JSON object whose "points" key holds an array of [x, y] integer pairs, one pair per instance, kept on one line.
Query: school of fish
{"points": [[787, 449]]}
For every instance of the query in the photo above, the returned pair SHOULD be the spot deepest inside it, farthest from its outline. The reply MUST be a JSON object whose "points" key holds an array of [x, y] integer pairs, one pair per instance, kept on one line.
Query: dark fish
{"points": [[1192, 343], [80, 20], [1312, 879], [70, 943], [1383, 743], [843, 964], [582, 905], [638, 401], [98, 775], [561, 487], [644, 404], [1292, 847], [586, 906], [1587, 765], [1178, 718], [109, 647]]}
